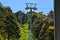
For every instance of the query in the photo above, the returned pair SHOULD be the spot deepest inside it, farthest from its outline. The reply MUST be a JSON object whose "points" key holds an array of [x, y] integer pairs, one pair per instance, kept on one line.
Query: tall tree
{"points": [[51, 14], [8, 24]]}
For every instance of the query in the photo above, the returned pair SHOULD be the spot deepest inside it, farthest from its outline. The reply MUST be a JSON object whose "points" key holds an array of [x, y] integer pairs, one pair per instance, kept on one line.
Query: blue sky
{"points": [[42, 5]]}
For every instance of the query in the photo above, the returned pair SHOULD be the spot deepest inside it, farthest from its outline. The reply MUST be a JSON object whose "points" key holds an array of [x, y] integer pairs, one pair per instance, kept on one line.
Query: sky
{"points": [[42, 5]]}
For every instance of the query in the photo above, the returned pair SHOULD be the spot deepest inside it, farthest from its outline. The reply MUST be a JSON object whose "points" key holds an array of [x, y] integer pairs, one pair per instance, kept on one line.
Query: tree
{"points": [[9, 27], [37, 22], [1, 7], [51, 14]]}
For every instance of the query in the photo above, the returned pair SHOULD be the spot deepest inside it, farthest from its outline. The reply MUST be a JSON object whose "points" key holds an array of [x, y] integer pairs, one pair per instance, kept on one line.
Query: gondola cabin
{"points": [[51, 25]]}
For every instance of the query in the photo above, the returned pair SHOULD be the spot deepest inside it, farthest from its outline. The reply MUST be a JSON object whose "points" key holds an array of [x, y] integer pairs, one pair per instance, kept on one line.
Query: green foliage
{"points": [[37, 20], [8, 25], [51, 14], [10, 28], [24, 32]]}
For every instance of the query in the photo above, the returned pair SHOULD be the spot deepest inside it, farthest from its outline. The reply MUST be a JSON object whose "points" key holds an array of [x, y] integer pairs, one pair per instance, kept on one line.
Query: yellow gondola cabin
{"points": [[51, 25]]}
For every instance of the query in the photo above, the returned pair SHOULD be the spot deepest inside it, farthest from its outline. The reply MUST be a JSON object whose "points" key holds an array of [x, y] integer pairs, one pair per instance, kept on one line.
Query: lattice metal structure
{"points": [[31, 6]]}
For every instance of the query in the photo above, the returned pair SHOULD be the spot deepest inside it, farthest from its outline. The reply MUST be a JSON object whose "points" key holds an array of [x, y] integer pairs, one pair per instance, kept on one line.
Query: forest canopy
{"points": [[16, 25]]}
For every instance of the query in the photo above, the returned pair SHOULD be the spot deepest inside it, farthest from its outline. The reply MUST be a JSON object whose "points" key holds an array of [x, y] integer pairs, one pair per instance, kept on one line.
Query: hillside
{"points": [[15, 26]]}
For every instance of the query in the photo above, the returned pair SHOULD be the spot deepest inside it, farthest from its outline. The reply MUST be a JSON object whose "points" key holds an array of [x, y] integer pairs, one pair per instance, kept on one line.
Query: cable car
{"points": [[51, 25]]}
